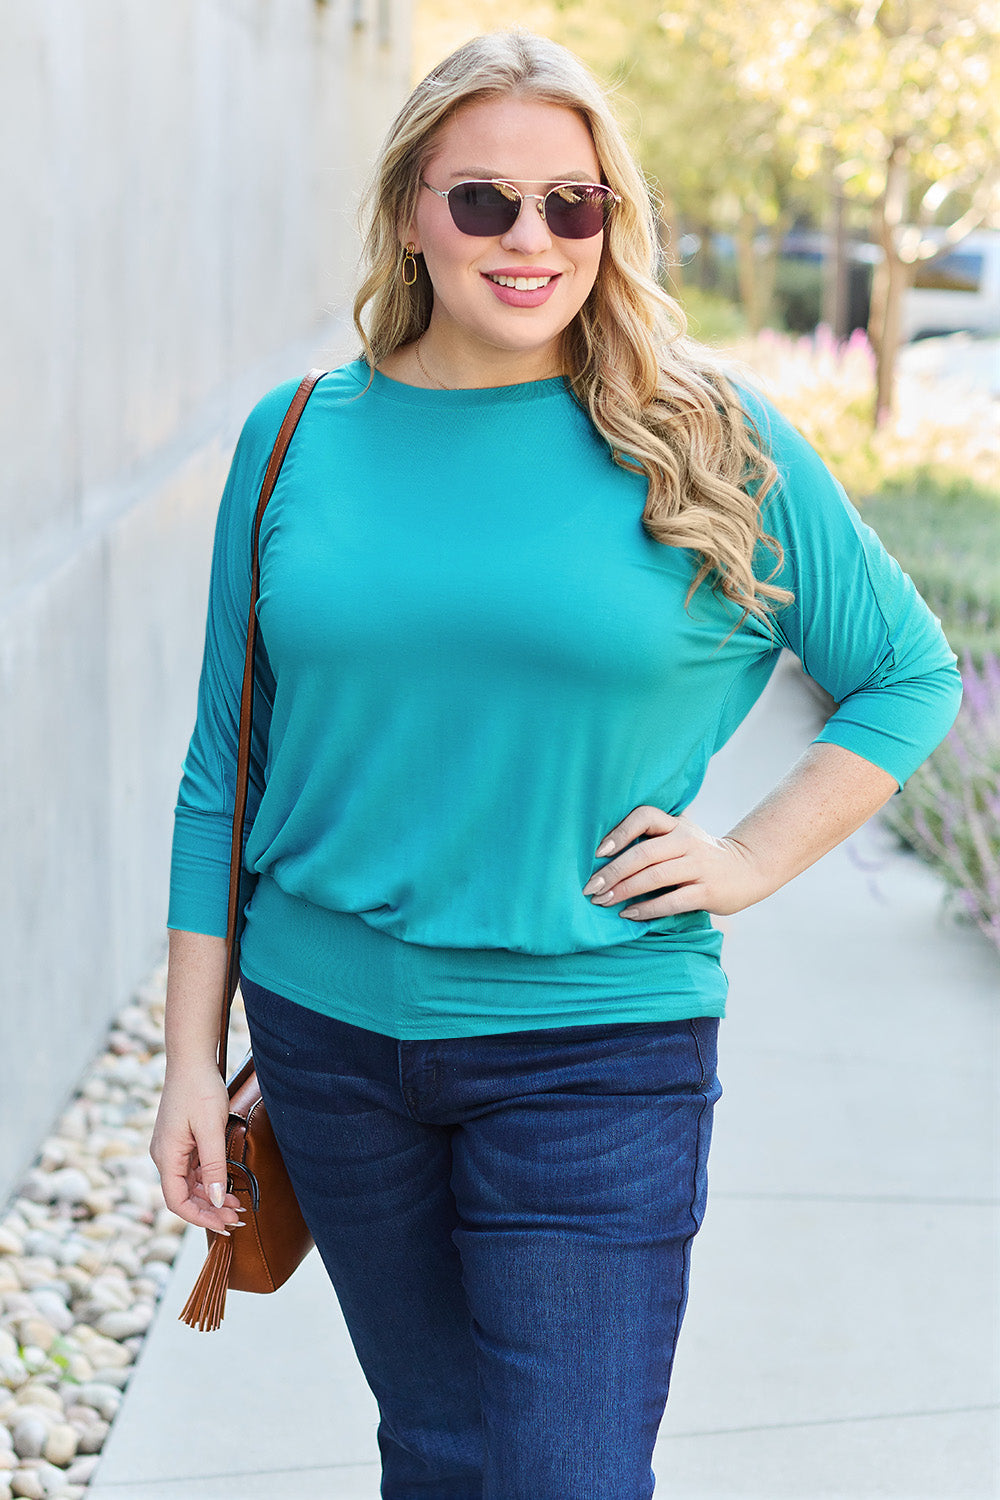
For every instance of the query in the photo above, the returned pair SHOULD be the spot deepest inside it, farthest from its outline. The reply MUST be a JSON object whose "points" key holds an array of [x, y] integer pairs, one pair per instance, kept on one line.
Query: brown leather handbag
{"points": [[276, 1238]]}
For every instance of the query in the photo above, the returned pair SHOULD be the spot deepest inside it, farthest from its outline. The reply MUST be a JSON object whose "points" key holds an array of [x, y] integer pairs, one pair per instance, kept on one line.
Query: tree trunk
{"points": [[892, 277], [899, 278], [746, 270], [877, 305], [835, 264], [767, 268]]}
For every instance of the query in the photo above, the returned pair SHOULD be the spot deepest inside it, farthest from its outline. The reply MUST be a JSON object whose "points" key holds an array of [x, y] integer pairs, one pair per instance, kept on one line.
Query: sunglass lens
{"points": [[577, 213], [482, 208]]}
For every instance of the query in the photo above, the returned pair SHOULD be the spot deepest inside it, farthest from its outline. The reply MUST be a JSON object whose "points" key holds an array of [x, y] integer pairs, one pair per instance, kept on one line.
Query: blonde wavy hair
{"points": [[662, 405]]}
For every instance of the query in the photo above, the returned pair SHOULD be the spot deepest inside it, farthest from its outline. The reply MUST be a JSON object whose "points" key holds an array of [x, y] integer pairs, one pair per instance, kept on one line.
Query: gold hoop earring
{"points": [[408, 270]]}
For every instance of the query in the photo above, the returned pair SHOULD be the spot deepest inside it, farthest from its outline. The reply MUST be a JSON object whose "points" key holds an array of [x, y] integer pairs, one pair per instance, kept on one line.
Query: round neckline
{"points": [[419, 395]]}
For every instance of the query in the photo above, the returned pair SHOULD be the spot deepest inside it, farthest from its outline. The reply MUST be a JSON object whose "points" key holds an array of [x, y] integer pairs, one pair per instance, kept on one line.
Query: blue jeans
{"points": [[507, 1222]]}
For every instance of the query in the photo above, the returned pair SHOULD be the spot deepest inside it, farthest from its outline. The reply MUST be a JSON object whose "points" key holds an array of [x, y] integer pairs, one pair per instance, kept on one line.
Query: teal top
{"points": [[472, 662]]}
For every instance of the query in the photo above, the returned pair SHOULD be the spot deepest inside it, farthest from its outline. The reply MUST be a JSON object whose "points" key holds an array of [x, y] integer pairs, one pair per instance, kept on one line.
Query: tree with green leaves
{"points": [[746, 113], [904, 94]]}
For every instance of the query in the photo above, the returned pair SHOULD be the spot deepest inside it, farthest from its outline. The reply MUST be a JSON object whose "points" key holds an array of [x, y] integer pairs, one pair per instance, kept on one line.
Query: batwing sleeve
{"points": [[857, 622], [203, 817]]}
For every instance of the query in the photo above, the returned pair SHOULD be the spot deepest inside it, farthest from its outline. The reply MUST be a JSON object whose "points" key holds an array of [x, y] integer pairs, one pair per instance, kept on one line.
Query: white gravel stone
{"points": [[53, 1479], [100, 1350], [18, 1305], [28, 1483], [162, 1247], [36, 1187], [81, 1469], [61, 1444], [69, 1185], [86, 1247], [76, 1280], [167, 1222], [110, 1289], [79, 1368], [40, 1398], [148, 1288], [29, 1429], [41, 1242], [69, 1251], [12, 1371], [36, 1271], [30, 1432], [104, 1399], [99, 1201], [125, 1323], [54, 1153], [36, 1334], [38, 1478], [53, 1308], [125, 1257], [92, 1437], [90, 1261]]}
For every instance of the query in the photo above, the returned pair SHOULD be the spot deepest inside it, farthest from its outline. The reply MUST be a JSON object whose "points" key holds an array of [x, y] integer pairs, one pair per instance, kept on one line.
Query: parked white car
{"points": [[958, 292]]}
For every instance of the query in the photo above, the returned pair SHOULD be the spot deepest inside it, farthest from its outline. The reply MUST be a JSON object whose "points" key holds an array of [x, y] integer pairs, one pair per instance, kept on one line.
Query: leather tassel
{"points": [[206, 1305]]}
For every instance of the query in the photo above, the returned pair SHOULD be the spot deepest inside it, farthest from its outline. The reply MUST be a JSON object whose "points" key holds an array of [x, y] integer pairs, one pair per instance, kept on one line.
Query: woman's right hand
{"points": [[189, 1148]]}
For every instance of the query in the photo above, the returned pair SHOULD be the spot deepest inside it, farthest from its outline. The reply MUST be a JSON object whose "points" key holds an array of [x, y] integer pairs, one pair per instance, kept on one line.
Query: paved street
{"points": [[840, 1342]]}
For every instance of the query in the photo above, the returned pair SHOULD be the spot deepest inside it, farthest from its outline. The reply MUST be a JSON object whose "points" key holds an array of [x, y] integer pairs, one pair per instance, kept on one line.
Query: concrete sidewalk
{"points": [[841, 1337]]}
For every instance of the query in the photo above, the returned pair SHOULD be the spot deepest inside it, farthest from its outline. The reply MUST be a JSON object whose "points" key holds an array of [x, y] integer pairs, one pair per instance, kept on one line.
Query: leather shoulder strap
{"points": [[285, 432]]}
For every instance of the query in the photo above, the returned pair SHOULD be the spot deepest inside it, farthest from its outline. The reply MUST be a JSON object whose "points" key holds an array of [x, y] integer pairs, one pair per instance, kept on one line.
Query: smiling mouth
{"points": [[521, 283]]}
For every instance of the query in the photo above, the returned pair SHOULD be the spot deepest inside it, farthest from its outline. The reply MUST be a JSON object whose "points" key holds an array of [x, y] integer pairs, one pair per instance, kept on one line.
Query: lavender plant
{"points": [[928, 483], [949, 811]]}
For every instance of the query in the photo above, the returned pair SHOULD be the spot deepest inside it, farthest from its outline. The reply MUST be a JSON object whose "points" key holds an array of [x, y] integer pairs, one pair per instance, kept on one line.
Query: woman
{"points": [[528, 564]]}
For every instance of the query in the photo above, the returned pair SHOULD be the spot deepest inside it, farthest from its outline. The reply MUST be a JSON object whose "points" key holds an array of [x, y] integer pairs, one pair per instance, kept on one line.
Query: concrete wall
{"points": [[179, 185]]}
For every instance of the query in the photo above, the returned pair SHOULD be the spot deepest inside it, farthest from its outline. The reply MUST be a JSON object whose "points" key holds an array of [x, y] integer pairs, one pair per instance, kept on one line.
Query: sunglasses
{"points": [[572, 210]]}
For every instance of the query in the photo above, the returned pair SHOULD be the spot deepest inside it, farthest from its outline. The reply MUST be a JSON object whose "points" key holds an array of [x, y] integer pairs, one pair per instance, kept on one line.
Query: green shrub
{"points": [[712, 318], [927, 482], [798, 294], [947, 537]]}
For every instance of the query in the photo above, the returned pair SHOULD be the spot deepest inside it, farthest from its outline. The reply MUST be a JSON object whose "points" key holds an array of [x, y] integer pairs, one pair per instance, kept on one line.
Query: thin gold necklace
{"points": [[424, 370]]}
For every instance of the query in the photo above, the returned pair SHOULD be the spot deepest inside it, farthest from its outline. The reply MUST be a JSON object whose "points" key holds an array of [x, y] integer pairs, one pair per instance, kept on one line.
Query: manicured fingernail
{"points": [[594, 884], [633, 916], [608, 899], [216, 1193], [606, 848]]}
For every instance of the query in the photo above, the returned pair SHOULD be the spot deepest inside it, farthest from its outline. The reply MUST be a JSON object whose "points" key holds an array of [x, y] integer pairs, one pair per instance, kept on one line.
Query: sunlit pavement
{"points": [[840, 1342]]}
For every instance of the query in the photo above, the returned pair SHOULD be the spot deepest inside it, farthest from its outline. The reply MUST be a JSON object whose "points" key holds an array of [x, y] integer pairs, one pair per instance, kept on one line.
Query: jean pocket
{"points": [[705, 1035]]}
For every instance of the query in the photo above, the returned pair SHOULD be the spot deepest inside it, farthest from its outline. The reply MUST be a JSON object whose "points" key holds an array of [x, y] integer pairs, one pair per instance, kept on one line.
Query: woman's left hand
{"points": [[704, 873], [826, 795]]}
